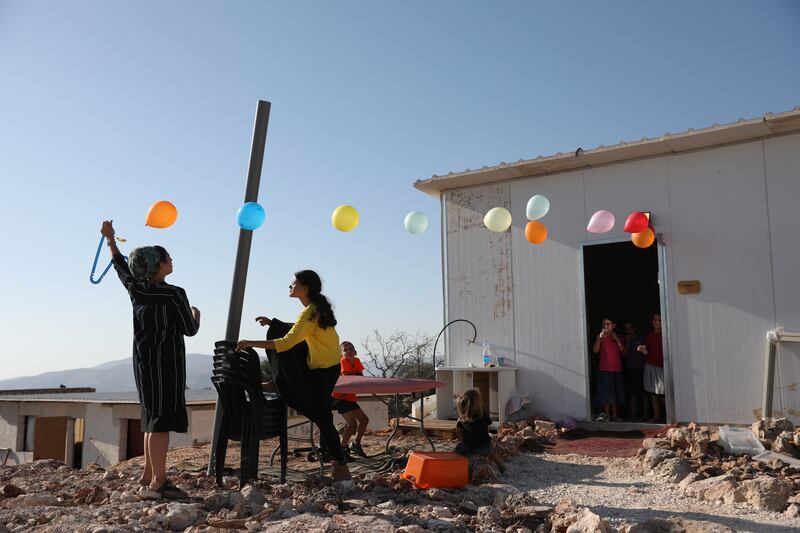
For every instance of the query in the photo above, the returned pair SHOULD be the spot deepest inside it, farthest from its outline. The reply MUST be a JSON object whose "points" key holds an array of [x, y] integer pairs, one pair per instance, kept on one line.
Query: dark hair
{"points": [[162, 253], [323, 311]]}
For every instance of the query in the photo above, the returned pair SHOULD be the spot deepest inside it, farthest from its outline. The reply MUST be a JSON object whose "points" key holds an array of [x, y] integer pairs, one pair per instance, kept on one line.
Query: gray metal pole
{"points": [[243, 251]]}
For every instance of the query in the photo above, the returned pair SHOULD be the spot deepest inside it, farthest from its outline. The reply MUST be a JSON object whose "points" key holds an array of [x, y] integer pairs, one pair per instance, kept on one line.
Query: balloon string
{"points": [[96, 258]]}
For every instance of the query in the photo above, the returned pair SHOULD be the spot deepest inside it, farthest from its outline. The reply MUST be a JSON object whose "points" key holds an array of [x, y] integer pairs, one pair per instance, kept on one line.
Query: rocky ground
{"points": [[538, 492]]}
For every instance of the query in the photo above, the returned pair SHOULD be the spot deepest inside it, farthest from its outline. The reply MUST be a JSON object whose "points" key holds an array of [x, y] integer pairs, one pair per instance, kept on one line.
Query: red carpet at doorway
{"points": [[602, 443]]}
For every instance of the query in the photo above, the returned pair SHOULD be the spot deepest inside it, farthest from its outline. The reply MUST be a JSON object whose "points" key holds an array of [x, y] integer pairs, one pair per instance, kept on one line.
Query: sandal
{"points": [[171, 492]]}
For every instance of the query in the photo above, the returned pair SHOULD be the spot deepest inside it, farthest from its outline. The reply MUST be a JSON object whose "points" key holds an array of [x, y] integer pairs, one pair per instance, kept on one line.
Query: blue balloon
{"points": [[250, 216]]}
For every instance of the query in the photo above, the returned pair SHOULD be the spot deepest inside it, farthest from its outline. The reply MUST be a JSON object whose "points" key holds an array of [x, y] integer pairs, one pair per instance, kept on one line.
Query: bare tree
{"points": [[399, 355]]}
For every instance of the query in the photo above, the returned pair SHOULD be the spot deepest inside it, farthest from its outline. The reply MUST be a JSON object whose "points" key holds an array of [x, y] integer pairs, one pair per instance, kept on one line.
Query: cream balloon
{"points": [[498, 219]]}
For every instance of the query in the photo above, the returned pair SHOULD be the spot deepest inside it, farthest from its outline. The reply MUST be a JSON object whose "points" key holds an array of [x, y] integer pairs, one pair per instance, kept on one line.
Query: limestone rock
{"points": [[564, 515], [770, 428], [672, 470], [589, 522], [699, 488], [442, 512], [255, 498], [521, 499], [765, 492], [30, 500], [214, 502], [654, 456], [324, 496], [488, 517], [182, 515], [678, 525], [341, 522]]}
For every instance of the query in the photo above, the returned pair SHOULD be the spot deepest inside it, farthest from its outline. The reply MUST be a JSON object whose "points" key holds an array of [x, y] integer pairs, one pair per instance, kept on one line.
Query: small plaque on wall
{"points": [[691, 286]]}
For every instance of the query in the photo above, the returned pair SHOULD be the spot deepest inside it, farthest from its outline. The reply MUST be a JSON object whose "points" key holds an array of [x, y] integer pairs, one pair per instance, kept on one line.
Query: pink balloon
{"points": [[601, 222]]}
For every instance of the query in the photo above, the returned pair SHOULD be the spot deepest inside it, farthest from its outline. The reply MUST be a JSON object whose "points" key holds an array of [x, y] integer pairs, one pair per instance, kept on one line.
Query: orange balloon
{"points": [[161, 215], [535, 232], [643, 239]]}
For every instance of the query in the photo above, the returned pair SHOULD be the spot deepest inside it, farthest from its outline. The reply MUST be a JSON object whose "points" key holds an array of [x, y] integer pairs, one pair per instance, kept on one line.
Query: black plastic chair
{"points": [[248, 415]]}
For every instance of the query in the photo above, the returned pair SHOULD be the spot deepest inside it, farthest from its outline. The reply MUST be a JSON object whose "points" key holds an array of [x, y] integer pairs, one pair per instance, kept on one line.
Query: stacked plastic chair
{"points": [[248, 414]]}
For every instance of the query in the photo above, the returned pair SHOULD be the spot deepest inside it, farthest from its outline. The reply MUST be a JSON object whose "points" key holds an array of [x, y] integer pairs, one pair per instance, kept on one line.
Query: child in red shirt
{"points": [[346, 404]]}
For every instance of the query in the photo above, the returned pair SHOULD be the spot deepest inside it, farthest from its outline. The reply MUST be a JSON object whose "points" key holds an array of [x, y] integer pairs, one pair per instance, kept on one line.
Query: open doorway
{"points": [[621, 283]]}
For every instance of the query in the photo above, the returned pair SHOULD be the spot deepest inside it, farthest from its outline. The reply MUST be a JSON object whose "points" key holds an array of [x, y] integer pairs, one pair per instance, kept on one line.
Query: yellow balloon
{"points": [[497, 219], [643, 239], [345, 218]]}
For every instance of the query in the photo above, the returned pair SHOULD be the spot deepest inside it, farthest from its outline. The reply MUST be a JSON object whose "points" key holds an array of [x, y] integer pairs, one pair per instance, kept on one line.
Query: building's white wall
{"points": [[9, 425], [478, 274], [783, 194], [201, 424], [11, 434], [548, 298], [720, 236], [103, 441]]}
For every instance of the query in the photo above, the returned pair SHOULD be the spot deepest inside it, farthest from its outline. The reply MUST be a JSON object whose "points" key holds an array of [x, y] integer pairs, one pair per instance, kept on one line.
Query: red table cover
{"points": [[372, 385]]}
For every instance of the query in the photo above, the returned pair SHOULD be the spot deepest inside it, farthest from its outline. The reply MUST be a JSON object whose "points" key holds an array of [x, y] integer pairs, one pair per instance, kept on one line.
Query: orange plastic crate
{"points": [[442, 470]]}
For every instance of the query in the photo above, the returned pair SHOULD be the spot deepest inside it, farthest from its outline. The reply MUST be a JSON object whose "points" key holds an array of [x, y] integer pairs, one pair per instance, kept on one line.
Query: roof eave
{"points": [[717, 135]]}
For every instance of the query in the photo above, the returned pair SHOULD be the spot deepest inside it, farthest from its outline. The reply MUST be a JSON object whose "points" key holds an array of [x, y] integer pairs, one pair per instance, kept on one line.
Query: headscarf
{"points": [[144, 262]]}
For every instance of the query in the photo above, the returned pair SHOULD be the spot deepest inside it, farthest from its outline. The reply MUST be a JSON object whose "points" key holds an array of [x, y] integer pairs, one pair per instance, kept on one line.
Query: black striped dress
{"points": [[161, 317]]}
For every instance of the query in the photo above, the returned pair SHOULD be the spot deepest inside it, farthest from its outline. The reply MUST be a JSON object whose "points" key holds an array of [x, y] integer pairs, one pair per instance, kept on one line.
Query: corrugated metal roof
{"points": [[769, 125], [193, 397]]}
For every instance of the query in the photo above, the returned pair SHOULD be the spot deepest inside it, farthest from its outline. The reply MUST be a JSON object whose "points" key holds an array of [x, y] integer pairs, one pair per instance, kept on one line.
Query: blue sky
{"points": [[107, 107]]}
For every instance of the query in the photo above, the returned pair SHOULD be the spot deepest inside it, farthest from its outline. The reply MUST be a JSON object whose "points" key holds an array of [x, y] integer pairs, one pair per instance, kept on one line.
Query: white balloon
{"points": [[497, 219], [416, 222], [537, 207]]}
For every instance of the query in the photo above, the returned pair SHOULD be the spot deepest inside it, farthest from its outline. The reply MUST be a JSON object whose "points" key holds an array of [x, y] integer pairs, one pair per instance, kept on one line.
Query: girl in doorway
{"points": [[316, 326], [610, 387], [346, 404], [653, 351], [472, 428]]}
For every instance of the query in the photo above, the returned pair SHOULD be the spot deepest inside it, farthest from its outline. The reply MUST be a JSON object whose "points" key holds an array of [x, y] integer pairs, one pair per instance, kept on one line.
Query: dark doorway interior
{"points": [[135, 439], [621, 282]]}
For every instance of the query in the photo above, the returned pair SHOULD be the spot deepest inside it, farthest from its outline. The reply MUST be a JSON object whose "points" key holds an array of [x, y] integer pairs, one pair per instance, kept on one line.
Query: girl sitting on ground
{"points": [[346, 404], [472, 428]]}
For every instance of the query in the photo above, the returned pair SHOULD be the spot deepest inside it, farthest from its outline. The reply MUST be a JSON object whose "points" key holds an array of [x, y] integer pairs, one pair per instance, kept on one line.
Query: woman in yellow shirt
{"points": [[316, 326]]}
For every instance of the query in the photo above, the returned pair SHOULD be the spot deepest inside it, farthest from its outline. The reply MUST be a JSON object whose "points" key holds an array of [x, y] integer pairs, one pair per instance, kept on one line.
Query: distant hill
{"points": [[113, 376]]}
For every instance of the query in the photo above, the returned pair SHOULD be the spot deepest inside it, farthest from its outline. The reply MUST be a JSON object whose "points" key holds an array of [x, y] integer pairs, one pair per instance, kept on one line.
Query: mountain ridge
{"points": [[110, 376]]}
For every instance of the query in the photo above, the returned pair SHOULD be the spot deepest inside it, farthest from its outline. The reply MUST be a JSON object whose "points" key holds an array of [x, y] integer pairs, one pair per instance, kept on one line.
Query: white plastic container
{"points": [[429, 405], [739, 440]]}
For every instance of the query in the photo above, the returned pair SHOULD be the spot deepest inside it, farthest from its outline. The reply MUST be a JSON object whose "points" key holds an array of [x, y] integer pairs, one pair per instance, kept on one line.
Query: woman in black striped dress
{"points": [[161, 317]]}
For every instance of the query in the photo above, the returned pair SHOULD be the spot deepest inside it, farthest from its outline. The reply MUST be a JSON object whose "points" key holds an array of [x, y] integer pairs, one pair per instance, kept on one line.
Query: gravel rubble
{"points": [[617, 490]]}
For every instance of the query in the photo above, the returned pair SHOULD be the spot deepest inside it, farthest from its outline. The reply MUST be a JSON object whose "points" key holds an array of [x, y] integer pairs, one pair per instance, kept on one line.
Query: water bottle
{"points": [[487, 354]]}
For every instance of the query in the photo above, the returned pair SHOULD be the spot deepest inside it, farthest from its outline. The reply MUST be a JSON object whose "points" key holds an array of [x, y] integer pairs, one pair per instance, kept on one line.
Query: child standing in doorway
{"points": [[473, 428], [634, 372], [653, 350], [610, 387], [346, 404]]}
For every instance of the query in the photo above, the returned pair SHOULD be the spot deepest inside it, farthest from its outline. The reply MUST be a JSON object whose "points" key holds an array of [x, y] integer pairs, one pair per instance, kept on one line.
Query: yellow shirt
{"points": [[323, 344]]}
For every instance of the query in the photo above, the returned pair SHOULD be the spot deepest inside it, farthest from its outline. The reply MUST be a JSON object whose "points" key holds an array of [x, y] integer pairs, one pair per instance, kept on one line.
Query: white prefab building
{"points": [[85, 428], [724, 202]]}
